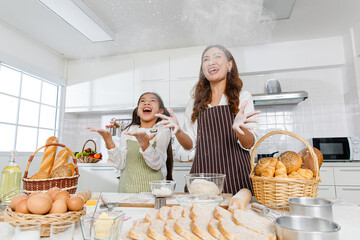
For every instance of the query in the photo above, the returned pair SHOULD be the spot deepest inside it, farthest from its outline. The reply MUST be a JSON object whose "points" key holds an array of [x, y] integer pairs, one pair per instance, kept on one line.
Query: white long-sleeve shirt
{"points": [[190, 128], [155, 158]]}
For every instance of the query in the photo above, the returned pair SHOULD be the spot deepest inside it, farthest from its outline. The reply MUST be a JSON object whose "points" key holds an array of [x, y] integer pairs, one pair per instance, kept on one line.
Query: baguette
{"points": [[49, 155], [62, 158], [240, 200]]}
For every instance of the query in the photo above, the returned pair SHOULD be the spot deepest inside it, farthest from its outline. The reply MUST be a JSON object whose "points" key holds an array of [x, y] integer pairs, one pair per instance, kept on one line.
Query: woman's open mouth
{"points": [[213, 71]]}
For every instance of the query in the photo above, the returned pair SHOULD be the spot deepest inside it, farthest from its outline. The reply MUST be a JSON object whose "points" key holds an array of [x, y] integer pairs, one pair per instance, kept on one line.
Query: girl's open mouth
{"points": [[147, 110]]}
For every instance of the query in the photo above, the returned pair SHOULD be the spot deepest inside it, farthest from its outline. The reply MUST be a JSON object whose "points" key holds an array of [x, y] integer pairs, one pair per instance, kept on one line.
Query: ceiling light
{"points": [[277, 9], [78, 15]]}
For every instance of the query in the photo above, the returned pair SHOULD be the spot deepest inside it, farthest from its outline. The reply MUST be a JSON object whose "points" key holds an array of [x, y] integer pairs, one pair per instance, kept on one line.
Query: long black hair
{"points": [[137, 121]]}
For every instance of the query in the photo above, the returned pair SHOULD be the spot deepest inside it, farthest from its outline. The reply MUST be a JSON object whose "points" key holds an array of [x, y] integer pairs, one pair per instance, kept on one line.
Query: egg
{"points": [[15, 200], [21, 207], [64, 195], [59, 206], [75, 203], [39, 204], [53, 192], [33, 194], [77, 195], [45, 195]]}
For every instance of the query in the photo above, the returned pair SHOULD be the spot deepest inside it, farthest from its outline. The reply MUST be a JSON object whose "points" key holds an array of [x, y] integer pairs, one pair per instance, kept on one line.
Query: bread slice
{"points": [[175, 212], [139, 231], [201, 211], [164, 213], [169, 231], [125, 236], [236, 232], [201, 216], [214, 230], [156, 230], [220, 213], [186, 212], [183, 227], [255, 223], [151, 215]]}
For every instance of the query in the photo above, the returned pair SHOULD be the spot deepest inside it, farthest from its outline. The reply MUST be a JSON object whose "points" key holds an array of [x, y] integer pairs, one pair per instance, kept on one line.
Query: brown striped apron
{"points": [[218, 150]]}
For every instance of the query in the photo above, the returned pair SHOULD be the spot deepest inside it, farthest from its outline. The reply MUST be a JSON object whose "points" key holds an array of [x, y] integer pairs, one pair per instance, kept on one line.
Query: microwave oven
{"points": [[338, 148]]}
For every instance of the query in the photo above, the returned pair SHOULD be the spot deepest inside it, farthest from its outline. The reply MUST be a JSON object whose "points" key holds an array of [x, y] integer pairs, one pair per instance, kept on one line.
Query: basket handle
{"points": [[90, 140], [48, 145], [313, 155]]}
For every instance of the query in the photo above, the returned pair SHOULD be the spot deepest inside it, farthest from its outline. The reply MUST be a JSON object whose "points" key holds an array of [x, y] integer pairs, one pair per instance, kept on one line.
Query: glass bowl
{"points": [[204, 199], [104, 225], [162, 188], [205, 183]]}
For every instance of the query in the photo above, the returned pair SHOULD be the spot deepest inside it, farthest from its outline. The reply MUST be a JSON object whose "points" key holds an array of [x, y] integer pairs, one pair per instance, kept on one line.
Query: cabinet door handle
{"points": [[349, 170], [324, 188], [101, 169], [350, 189]]}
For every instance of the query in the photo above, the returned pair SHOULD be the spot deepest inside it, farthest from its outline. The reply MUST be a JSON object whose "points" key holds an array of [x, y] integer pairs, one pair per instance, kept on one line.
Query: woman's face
{"points": [[148, 106], [215, 64]]}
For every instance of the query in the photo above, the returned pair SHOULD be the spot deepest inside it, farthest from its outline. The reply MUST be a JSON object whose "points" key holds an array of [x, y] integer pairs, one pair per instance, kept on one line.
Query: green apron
{"points": [[136, 175]]}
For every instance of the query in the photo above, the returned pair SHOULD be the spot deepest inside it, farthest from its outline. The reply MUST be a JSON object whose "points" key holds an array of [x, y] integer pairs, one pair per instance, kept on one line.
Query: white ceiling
{"points": [[147, 25]]}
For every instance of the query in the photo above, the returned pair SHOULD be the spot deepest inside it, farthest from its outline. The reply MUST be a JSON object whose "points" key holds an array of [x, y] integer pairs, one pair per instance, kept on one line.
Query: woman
{"points": [[218, 121]]}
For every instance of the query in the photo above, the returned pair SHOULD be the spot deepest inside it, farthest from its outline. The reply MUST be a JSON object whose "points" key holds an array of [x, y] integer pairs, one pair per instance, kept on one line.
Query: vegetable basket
{"points": [[87, 159], [64, 183], [274, 192]]}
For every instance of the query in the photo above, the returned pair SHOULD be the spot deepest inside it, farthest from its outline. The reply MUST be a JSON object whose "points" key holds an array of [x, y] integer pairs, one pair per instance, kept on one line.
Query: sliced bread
{"points": [[164, 213], [199, 226], [175, 212], [201, 211], [139, 231], [125, 236], [220, 213], [255, 223], [183, 227], [151, 215], [186, 212], [214, 230], [236, 232], [169, 231], [156, 230]]}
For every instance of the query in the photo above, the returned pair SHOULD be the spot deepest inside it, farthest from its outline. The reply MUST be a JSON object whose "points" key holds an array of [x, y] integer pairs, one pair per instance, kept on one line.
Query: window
{"points": [[29, 110]]}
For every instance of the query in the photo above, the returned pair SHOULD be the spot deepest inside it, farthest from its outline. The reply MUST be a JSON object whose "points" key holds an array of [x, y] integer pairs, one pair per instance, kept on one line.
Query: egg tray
{"points": [[15, 218]]}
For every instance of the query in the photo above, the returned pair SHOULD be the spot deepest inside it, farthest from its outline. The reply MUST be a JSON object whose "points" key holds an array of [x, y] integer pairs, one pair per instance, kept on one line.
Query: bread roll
{"points": [[71, 166], [62, 158], [269, 170], [291, 160], [280, 170], [308, 162], [62, 171], [240, 200], [262, 164], [49, 156], [305, 173]]}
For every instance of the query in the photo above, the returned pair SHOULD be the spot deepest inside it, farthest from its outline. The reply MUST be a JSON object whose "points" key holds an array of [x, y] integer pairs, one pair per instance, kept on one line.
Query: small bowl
{"points": [[204, 199], [205, 183], [162, 188]]}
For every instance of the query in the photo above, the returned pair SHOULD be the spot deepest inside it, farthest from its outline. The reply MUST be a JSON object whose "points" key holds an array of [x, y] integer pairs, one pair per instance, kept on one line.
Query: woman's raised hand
{"points": [[242, 120], [169, 122]]}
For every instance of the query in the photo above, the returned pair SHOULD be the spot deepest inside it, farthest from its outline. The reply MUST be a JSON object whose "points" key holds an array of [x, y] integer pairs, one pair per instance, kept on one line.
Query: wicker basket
{"points": [[64, 183], [86, 159], [15, 218], [274, 192]]}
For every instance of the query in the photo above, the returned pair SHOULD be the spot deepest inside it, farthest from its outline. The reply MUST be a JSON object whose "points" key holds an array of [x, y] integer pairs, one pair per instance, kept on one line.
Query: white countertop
{"points": [[345, 214]]}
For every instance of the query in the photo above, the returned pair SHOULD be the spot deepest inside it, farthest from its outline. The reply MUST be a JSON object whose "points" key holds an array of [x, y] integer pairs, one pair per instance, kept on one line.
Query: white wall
{"points": [[18, 51]]}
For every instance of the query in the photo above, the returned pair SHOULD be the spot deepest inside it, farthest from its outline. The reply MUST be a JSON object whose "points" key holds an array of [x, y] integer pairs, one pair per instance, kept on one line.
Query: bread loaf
{"points": [[269, 170], [49, 155], [240, 200], [262, 164], [40, 175], [62, 171], [280, 170], [61, 159], [308, 162], [71, 166], [291, 160]]}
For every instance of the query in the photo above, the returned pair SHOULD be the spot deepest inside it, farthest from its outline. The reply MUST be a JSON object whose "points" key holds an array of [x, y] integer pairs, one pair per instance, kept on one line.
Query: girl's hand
{"points": [[106, 135], [242, 120], [169, 122], [143, 138]]}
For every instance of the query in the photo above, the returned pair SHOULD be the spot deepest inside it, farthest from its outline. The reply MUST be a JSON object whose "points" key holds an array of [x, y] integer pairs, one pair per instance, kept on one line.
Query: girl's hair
{"points": [[202, 90], [137, 121]]}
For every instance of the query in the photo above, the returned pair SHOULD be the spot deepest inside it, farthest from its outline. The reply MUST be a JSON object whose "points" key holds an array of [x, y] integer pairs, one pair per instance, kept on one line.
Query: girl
{"points": [[218, 121], [145, 152]]}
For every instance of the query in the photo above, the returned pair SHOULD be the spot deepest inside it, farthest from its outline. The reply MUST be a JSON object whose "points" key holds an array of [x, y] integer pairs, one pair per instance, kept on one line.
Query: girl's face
{"points": [[215, 64], [148, 106]]}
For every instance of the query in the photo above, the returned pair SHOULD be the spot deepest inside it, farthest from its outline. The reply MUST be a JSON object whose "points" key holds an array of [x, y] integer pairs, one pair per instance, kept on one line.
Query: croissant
{"points": [[280, 169], [262, 164], [305, 173], [295, 175], [269, 170]]}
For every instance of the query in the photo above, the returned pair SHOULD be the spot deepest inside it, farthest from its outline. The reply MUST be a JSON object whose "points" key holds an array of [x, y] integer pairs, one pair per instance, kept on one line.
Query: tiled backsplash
{"points": [[322, 114]]}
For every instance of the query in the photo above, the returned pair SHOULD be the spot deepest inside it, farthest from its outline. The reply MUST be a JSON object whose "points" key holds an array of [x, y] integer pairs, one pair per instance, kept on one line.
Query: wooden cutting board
{"points": [[147, 200]]}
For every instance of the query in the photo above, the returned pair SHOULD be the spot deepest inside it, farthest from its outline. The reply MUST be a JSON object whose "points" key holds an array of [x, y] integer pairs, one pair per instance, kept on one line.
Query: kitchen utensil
{"points": [[269, 213], [306, 228], [205, 183], [162, 188], [110, 205], [97, 203], [204, 199], [11, 194], [312, 207], [273, 86]]}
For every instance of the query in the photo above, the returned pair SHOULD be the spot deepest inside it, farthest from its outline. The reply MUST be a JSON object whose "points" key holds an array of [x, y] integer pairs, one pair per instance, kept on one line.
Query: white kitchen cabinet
{"points": [[347, 175], [327, 176], [349, 193], [178, 176], [151, 67], [78, 96], [160, 87], [185, 63], [98, 178], [326, 191]]}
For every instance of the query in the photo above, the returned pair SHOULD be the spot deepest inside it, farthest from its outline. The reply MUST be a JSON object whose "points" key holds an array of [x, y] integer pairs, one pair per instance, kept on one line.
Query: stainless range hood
{"points": [[275, 96]]}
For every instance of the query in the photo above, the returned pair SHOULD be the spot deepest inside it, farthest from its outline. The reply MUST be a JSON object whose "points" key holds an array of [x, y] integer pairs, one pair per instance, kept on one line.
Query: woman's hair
{"points": [[137, 121], [202, 91], [135, 117]]}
